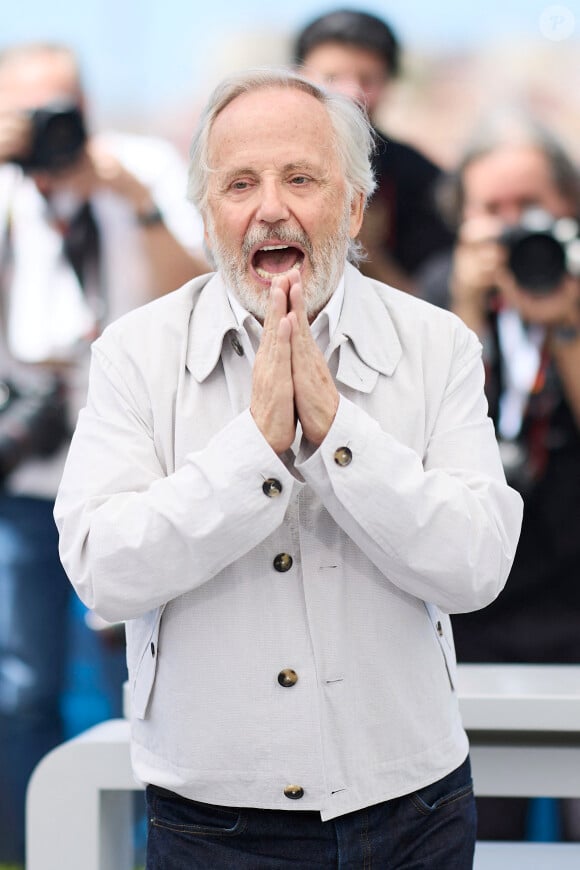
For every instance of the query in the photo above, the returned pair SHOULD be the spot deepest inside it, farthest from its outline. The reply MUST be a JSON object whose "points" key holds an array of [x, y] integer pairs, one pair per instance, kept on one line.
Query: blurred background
{"points": [[149, 65]]}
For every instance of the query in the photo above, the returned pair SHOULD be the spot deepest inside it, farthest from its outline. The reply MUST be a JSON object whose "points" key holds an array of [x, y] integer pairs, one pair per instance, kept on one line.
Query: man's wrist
{"points": [[565, 333], [149, 217]]}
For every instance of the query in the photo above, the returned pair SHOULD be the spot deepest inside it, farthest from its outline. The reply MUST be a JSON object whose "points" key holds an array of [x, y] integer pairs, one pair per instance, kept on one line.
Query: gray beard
{"points": [[327, 264]]}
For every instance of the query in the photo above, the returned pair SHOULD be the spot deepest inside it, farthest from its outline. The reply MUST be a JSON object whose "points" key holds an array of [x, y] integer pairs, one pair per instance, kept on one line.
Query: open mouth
{"points": [[276, 258]]}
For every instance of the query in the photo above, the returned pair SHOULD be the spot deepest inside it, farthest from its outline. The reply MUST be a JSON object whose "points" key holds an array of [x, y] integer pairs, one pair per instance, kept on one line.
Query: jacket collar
{"points": [[211, 319], [369, 341], [366, 337]]}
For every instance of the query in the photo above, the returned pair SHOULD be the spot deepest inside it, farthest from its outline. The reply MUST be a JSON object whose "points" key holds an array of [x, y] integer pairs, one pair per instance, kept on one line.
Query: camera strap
{"points": [[521, 350], [82, 248]]}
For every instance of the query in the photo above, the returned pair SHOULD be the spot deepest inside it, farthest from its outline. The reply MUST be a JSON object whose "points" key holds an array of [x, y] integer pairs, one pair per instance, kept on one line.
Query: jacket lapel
{"points": [[212, 317], [369, 343]]}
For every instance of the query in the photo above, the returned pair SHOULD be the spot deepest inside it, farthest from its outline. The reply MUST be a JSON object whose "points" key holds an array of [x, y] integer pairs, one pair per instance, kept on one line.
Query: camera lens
{"points": [[58, 136], [60, 139], [537, 261]]}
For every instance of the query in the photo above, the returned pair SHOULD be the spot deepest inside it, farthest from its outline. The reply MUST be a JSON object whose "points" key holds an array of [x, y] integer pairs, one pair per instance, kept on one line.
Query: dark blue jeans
{"points": [[431, 829], [34, 595]]}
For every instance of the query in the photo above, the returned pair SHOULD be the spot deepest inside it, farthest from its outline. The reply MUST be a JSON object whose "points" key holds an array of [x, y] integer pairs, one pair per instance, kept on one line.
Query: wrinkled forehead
{"points": [[269, 117]]}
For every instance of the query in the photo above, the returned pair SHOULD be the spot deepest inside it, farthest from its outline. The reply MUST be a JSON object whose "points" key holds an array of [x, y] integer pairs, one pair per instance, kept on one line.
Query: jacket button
{"points": [[294, 792], [152, 649], [272, 487], [237, 345], [343, 456], [283, 562], [287, 678]]}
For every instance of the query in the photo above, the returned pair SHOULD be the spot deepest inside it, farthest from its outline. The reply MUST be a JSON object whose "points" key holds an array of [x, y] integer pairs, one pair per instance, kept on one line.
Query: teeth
{"points": [[267, 276], [274, 247]]}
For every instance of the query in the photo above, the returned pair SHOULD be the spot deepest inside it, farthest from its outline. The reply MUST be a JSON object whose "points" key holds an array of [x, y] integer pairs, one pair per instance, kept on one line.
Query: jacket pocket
{"points": [[442, 627], [142, 654]]}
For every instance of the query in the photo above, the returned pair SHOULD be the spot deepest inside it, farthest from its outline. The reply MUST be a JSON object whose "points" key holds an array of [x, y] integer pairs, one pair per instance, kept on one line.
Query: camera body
{"points": [[542, 250], [57, 138]]}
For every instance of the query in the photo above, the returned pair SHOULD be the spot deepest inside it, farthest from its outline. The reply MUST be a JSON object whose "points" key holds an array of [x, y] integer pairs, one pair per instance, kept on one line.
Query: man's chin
{"points": [[252, 296]]}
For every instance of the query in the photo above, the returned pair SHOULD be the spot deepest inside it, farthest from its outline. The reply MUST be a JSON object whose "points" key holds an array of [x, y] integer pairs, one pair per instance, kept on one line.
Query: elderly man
{"points": [[284, 480]]}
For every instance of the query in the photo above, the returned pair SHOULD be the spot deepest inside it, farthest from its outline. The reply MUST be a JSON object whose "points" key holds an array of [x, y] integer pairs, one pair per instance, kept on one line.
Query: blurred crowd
{"points": [[93, 223]]}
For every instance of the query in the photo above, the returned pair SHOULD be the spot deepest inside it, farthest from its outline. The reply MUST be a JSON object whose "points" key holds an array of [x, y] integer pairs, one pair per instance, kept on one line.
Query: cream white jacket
{"points": [[165, 522]]}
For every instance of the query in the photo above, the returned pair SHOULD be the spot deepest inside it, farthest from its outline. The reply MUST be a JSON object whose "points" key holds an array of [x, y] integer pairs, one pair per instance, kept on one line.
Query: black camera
{"points": [[542, 250], [57, 138], [33, 416]]}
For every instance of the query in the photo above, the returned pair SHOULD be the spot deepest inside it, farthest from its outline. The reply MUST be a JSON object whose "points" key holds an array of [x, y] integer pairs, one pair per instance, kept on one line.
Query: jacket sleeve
{"points": [[442, 526], [133, 538]]}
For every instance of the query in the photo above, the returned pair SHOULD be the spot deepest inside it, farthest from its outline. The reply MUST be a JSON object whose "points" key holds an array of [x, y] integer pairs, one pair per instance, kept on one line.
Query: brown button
{"points": [[287, 678], [272, 487], [294, 792], [343, 456], [283, 562], [237, 345]]}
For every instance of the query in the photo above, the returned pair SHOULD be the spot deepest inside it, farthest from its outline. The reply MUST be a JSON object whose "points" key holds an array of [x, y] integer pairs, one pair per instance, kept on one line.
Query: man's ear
{"points": [[357, 210]]}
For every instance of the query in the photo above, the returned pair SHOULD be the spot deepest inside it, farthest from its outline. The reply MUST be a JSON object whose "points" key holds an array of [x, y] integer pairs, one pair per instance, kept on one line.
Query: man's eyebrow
{"points": [[228, 175], [304, 166]]}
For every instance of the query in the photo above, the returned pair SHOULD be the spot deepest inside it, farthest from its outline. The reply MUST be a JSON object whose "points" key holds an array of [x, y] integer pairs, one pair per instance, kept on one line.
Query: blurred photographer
{"points": [[512, 277], [91, 225], [359, 55]]}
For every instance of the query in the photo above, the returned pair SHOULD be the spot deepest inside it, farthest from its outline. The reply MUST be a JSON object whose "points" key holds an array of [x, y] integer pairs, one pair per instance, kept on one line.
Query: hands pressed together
{"points": [[291, 380]]}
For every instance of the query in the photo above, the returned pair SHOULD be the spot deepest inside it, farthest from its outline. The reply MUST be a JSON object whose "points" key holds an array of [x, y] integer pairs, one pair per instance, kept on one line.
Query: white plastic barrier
{"points": [[524, 728]]}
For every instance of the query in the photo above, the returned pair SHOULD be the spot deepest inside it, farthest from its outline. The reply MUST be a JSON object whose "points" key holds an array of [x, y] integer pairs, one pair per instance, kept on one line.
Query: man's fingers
{"points": [[276, 308], [297, 303], [272, 404], [284, 332], [297, 306]]}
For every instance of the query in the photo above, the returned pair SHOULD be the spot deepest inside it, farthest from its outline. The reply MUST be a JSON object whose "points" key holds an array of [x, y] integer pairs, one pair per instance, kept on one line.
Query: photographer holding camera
{"points": [[513, 278], [90, 227]]}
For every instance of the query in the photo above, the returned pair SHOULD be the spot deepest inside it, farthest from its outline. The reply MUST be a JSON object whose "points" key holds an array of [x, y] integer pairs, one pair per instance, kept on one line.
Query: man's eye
{"points": [[240, 185], [300, 179]]}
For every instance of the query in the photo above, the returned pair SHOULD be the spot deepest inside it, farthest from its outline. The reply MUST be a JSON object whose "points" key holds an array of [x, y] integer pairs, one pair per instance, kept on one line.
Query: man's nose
{"points": [[272, 206]]}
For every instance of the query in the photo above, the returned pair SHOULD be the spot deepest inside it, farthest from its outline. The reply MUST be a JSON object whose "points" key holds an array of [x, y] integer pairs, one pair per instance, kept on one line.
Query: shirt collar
{"points": [[368, 343]]}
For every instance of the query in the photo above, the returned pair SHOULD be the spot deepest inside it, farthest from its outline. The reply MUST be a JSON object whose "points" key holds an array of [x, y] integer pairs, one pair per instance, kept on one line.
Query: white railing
{"points": [[524, 728]]}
